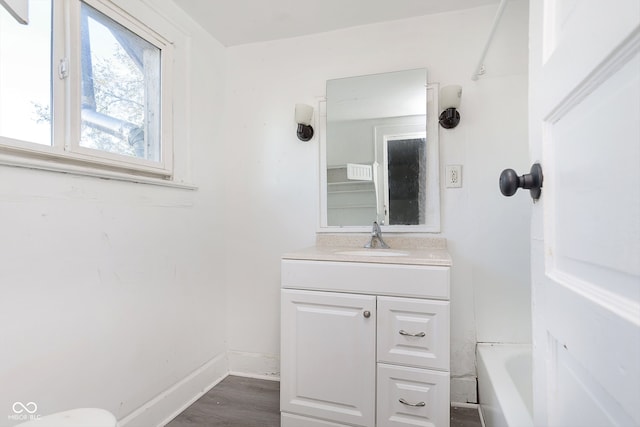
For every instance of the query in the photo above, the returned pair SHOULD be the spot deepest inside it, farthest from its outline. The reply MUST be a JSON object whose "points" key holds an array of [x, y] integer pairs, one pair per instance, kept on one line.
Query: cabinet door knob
{"points": [[366, 314], [408, 334], [418, 405]]}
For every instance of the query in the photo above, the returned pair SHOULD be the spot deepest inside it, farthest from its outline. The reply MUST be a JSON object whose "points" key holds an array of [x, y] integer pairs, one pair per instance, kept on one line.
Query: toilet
{"points": [[81, 417]]}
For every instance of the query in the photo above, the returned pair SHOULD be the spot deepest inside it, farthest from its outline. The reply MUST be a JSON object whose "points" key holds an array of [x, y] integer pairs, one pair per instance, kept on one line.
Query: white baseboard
{"points": [[465, 405], [256, 376], [254, 365], [481, 417], [160, 410]]}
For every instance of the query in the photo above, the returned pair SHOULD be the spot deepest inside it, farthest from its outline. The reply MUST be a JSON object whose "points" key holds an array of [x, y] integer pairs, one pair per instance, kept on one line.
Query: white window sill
{"points": [[82, 170]]}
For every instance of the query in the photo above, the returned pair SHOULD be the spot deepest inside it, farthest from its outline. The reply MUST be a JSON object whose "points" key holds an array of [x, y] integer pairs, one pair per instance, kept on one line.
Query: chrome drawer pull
{"points": [[407, 334], [404, 402]]}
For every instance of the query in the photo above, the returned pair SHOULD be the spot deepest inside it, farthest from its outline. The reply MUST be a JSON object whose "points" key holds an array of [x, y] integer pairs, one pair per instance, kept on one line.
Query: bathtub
{"points": [[504, 384]]}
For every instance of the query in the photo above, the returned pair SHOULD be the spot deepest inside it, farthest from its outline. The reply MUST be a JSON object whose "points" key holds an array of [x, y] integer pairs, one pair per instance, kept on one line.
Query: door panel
{"points": [[596, 150], [584, 110], [577, 36], [593, 351], [585, 402]]}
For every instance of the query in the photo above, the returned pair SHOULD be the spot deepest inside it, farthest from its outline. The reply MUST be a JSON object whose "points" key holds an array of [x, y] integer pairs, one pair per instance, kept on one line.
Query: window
{"points": [[25, 75], [101, 101], [120, 82]]}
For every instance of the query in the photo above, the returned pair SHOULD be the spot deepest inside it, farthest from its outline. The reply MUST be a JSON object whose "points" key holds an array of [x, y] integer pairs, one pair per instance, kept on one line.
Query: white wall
{"points": [[127, 296], [272, 178], [113, 292]]}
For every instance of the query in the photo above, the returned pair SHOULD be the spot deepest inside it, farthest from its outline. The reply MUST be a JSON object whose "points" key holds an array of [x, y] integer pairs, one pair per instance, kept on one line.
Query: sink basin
{"points": [[372, 252]]}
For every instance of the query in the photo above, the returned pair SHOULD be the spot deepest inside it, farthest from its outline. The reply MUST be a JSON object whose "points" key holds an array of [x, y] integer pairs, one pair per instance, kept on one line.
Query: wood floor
{"points": [[247, 402], [235, 402]]}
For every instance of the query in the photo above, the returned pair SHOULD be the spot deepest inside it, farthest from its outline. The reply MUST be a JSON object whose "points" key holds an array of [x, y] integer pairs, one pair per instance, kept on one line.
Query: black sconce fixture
{"points": [[449, 102], [304, 114]]}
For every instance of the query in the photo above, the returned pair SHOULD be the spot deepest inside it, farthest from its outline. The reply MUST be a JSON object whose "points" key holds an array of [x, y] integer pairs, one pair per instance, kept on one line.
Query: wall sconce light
{"points": [[449, 102], [304, 114]]}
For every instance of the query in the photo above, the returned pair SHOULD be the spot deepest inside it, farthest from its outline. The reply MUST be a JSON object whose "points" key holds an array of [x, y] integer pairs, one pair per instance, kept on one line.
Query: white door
{"points": [[585, 131], [328, 356]]}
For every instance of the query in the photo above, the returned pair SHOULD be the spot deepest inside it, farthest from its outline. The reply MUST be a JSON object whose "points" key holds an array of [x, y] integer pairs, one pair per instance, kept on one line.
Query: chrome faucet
{"points": [[376, 234]]}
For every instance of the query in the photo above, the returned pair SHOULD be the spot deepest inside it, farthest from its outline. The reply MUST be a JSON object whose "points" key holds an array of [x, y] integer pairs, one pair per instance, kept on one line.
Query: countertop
{"points": [[350, 248]]}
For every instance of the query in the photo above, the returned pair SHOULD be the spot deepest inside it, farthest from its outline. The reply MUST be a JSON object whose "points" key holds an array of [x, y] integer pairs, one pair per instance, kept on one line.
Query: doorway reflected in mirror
{"points": [[382, 123]]}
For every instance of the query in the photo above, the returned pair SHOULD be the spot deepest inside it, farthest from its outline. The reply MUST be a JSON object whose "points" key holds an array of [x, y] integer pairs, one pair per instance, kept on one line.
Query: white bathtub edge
{"points": [[500, 408]]}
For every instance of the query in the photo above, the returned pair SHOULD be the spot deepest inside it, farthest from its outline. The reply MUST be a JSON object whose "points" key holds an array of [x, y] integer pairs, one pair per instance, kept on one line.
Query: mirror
{"points": [[379, 153]]}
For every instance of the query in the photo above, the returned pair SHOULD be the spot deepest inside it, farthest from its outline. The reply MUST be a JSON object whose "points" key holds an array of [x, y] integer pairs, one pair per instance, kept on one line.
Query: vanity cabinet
{"points": [[364, 344]]}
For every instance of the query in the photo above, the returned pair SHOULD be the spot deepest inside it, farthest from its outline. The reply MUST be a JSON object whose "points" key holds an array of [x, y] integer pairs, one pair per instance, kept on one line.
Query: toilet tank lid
{"points": [[81, 417]]}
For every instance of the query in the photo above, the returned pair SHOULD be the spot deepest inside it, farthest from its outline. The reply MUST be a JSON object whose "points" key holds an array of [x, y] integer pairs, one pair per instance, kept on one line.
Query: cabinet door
{"points": [[291, 420], [412, 397], [328, 356], [413, 332]]}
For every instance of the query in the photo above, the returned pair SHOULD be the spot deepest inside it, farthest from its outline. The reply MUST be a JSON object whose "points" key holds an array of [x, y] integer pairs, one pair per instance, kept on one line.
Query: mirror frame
{"points": [[432, 214]]}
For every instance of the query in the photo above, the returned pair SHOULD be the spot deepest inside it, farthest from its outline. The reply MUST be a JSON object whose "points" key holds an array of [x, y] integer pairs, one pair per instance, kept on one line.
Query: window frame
{"points": [[66, 102]]}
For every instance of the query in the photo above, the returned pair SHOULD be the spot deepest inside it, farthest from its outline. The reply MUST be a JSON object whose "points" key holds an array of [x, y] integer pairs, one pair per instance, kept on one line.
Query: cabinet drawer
{"points": [[420, 281], [412, 397], [413, 332]]}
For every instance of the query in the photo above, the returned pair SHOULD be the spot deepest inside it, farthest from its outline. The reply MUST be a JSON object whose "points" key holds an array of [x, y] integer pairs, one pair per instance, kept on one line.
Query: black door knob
{"points": [[510, 181]]}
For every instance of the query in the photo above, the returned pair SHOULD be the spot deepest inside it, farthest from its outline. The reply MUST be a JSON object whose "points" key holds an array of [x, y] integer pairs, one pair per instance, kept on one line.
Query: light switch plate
{"points": [[453, 176]]}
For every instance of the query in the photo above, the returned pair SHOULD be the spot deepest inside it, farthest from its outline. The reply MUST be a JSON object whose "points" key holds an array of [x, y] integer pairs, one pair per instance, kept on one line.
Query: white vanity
{"points": [[365, 335]]}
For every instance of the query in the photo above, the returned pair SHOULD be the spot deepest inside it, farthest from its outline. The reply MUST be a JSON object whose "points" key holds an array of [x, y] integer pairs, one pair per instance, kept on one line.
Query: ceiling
{"points": [[235, 22]]}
